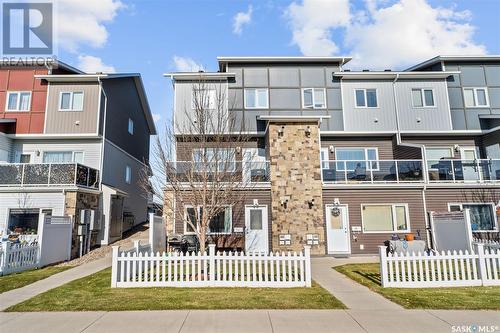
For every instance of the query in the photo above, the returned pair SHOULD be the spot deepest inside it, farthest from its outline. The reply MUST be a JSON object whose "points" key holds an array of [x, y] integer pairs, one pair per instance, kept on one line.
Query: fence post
{"points": [[3, 257], [307, 254], [211, 266], [137, 245], [483, 274], [382, 250], [114, 266]]}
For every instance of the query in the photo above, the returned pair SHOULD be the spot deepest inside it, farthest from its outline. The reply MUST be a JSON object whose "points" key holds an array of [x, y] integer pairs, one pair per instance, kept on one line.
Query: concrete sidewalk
{"points": [[19, 295], [254, 321], [354, 295]]}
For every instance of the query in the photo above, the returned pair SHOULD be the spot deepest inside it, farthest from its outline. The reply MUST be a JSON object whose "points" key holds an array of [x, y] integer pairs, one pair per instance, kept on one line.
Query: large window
{"points": [[476, 97], [71, 101], [23, 221], [385, 218], [204, 99], [356, 158], [314, 98], [422, 98], [215, 159], [366, 98], [18, 101], [256, 98], [222, 223], [438, 153], [482, 216], [62, 156]]}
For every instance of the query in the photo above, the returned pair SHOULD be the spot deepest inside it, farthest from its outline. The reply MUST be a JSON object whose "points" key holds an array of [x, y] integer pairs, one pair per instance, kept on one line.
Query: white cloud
{"points": [[83, 22], [156, 117], [241, 19], [91, 64], [312, 23], [382, 35], [185, 64]]}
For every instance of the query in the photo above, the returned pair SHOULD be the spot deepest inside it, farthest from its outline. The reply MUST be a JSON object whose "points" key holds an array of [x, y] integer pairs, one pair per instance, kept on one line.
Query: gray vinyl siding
{"points": [[123, 103], [91, 149], [424, 118], [381, 118], [115, 162], [285, 84], [63, 122], [354, 198]]}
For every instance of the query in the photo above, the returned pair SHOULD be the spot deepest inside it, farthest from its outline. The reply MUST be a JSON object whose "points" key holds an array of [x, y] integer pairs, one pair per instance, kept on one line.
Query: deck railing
{"points": [[462, 171], [48, 174], [247, 172]]}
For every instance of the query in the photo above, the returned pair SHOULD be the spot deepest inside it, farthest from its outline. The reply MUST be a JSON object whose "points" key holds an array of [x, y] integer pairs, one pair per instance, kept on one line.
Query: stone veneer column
{"points": [[296, 175]]}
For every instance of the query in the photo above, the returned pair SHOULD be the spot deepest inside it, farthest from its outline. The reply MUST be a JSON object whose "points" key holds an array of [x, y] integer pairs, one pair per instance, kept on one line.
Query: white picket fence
{"points": [[18, 257], [480, 267], [212, 269], [487, 243]]}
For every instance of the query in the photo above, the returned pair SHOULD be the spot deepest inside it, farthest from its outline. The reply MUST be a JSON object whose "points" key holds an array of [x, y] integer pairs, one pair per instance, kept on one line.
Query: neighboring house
{"points": [[71, 141], [354, 157]]}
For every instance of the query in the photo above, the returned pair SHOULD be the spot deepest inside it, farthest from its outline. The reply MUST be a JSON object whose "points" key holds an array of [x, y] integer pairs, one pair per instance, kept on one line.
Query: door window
{"points": [[255, 219], [335, 219]]}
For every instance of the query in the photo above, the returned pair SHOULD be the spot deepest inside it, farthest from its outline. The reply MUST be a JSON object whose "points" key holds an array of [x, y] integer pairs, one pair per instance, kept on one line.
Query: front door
{"points": [[469, 165], [256, 236], [337, 225]]}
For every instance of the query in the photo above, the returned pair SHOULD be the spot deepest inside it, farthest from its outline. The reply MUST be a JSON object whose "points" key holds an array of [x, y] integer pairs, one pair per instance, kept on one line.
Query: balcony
{"points": [[48, 174], [464, 171], [374, 171], [222, 171]]}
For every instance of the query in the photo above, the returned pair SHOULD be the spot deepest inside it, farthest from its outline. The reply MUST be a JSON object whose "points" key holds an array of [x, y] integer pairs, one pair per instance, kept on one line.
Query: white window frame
{"points": [[377, 168], [18, 106], [313, 98], [493, 209], [256, 98], [394, 221], [474, 93], [208, 232], [366, 99], [130, 126], [128, 174], [64, 151], [71, 109], [422, 94]]}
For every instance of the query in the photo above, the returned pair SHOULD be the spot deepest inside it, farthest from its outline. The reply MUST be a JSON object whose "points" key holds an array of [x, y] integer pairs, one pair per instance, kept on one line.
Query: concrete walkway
{"points": [[19, 295], [354, 295], [252, 321]]}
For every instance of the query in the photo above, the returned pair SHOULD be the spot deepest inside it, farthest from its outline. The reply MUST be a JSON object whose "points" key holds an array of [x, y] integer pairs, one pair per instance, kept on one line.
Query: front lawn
{"points": [[18, 280], [467, 298], [94, 293]]}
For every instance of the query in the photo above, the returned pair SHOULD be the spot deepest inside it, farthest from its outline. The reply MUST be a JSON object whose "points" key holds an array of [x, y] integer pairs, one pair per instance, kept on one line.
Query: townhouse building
{"points": [[74, 144], [354, 157]]}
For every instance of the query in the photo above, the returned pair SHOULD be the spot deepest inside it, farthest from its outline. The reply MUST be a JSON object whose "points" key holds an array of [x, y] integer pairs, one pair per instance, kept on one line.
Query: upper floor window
{"points": [[130, 126], [422, 98], [476, 97], [203, 99], [128, 174], [214, 159], [313, 98], [256, 98], [437, 153], [366, 98], [62, 156], [71, 101], [357, 159], [18, 101]]}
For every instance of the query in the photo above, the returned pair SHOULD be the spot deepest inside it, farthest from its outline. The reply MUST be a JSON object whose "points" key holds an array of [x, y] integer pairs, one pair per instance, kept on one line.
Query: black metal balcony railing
{"points": [[245, 172], [48, 174], [374, 171]]}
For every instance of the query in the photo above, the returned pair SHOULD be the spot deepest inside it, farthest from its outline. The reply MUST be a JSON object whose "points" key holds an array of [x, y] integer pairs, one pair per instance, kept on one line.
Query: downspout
{"points": [[399, 142]]}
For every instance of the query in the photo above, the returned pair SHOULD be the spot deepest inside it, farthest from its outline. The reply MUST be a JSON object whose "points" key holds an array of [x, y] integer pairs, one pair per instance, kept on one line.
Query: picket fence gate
{"points": [[212, 269], [18, 257], [451, 269]]}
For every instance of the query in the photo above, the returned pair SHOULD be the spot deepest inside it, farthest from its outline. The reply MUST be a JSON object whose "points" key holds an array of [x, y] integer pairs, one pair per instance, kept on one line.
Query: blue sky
{"points": [[148, 36]]}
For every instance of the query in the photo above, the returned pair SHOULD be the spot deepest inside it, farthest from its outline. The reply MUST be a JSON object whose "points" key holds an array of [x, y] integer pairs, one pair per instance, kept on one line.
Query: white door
{"points": [[469, 164], [337, 226], [256, 236]]}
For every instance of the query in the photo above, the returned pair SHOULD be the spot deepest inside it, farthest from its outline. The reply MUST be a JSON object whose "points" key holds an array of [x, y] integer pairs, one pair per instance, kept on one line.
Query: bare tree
{"points": [[211, 178]]}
